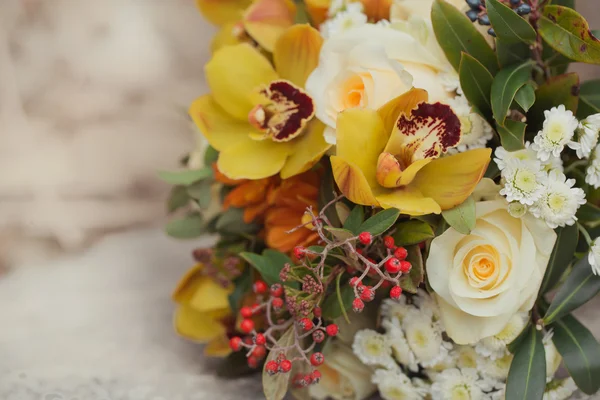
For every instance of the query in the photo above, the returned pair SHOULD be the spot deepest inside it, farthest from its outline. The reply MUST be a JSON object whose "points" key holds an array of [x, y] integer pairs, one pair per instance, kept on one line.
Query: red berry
{"points": [[260, 287], [365, 238], [280, 357], [276, 290], [400, 253], [259, 352], [358, 305], [315, 376], [355, 281], [405, 267], [235, 343], [247, 326], [367, 295], [396, 292], [285, 366], [318, 336], [317, 312], [393, 265], [389, 242], [360, 251], [260, 339], [246, 312], [332, 330], [317, 359], [306, 324], [277, 303], [252, 362], [306, 380], [272, 367], [299, 252]]}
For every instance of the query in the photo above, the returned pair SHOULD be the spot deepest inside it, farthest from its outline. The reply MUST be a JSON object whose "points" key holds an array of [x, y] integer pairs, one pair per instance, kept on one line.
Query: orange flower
{"points": [[288, 204]]}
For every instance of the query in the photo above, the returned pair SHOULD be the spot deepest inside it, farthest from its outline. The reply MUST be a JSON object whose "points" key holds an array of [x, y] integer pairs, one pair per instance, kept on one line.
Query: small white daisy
{"points": [[474, 130], [588, 132], [344, 20], [400, 348], [559, 201], [424, 338], [450, 81], [523, 181], [373, 348], [504, 158], [454, 384], [335, 7], [592, 173], [394, 385], [560, 389], [494, 347], [553, 357], [466, 357], [395, 308], [594, 256], [516, 209], [558, 130], [496, 369], [426, 304]]}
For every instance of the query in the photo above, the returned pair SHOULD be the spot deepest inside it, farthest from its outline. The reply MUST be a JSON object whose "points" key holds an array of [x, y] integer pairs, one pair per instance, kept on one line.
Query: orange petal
{"points": [[377, 10], [266, 20], [296, 53], [390, 173], [317, 9], [352, 182]]}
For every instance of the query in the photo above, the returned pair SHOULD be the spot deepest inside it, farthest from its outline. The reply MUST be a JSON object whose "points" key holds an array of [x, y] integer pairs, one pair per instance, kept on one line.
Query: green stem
{"points": [[585, 234]]}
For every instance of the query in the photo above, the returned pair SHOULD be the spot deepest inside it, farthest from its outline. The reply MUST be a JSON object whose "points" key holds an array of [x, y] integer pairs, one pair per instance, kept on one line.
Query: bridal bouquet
{"points": [[403, 196]]}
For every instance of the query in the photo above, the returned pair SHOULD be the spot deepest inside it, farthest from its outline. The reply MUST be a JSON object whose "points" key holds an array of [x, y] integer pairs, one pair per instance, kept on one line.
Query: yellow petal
{"points": [[360, 140], [352, 182], [225, 37], [296, 53], [377, 10], [218, 347], [195, 325], [266, 20], [409, 201], [220, 12], [450, 180], [187, 286], [235, 74], [307, 150], [391, 110], [220, 129], [317, 9], [390, 173], [210, 296], [253, 159]]}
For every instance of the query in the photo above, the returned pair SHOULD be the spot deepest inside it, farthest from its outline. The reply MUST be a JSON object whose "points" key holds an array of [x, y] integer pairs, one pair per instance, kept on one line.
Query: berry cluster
{"points": [[478, 11]]}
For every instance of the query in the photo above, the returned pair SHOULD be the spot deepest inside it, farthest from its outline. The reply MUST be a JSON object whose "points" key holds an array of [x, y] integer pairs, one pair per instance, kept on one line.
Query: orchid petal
{"points": [[220, 12], [296, 53], [308, 150], [266, 20], [352, 182], [251, 159], [409, 201]]}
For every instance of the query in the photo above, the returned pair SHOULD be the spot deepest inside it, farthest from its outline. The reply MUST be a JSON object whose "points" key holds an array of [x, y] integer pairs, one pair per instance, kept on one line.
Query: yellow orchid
{"points": [[258, 116], [221, 12], [390, 158], [203, 313]]}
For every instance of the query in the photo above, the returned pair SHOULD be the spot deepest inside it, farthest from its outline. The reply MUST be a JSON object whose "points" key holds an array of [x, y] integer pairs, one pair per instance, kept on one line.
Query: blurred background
{"points": [[93, 100]]}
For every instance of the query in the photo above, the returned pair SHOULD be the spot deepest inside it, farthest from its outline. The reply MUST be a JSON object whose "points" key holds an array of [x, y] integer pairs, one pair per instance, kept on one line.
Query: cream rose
{"points": [[369, 65], [343, 376], [481, 280]]}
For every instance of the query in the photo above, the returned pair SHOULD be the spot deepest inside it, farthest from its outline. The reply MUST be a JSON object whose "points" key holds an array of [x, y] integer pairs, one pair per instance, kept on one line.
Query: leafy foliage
{"points": [[527, 374]]}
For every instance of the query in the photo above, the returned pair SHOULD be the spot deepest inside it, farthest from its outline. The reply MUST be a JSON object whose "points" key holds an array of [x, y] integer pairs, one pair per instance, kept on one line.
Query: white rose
{"points": [[407, 9], [481, 280], [344, 377], [369, 65]]}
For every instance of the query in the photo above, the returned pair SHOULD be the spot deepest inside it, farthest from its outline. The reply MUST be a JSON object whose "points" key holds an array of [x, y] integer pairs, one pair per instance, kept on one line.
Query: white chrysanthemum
{"points": [[523, 181], [400, 348], [553, 357], [373, 348], [351, 17], [592, 173], [451, 81], [424, 339], [588, 132], [426, 304], [496, 369], [516, 209], [594, 256], [559, 201], [466, 357], [494, 347], [398, 309], [335, 7], [474, 130], [558, 130], [394, 385], [456, 384], [560, 389], [504, 157]]}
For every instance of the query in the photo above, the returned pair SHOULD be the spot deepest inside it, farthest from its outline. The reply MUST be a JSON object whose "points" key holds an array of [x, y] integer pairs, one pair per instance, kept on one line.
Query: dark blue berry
{"points": [[515, 2], [474, 4], [491, 32], [523, 9], [473, 15], [484, 20]]}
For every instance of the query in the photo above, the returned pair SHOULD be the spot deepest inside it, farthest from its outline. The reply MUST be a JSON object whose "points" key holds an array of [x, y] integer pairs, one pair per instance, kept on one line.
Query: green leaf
{"points": [[527, 373], [492, 170], [561, 257], [461, 217], [512, 134], [355, 219], [327, 193], [185, 177], [339, 303], [201, 192], [232, 221], [339, 233], [456, 34], [566, 3], [189, 227], [410, 283], [211, 155], [580, 352], [380, 222], [412, 232], [562, 89], [512, 53], [589, 214], [589, 99], [508, 25], [505, 87], [178, 198], [567, 32], [275, 387], [242, 285], [514, 345], [476, 82], [342, 211], [580, 286], [268, 265], [525, 97]]}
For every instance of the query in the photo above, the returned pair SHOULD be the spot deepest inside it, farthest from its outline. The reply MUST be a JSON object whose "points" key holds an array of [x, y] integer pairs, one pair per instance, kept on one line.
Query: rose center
{"points": [[353, 91]]}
